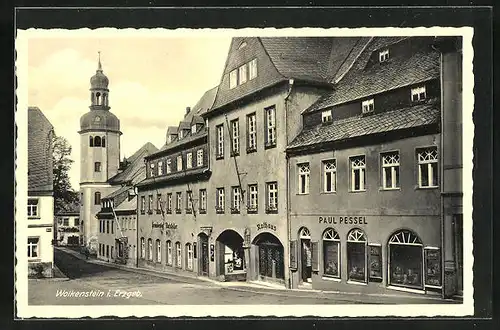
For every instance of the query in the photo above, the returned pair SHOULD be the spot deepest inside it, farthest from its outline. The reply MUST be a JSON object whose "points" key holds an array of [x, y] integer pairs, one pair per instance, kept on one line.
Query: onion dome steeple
{"points": [[99, 80]]}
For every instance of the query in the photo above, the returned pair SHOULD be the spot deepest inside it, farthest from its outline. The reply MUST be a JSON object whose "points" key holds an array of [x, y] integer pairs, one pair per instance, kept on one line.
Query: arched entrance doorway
{"points": [[203, 259], [270, 258], [230, 256], [305, 255], [406, 260]]}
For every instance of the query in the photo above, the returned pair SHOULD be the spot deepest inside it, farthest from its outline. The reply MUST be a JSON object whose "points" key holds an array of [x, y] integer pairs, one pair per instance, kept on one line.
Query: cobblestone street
{"points": [[107, 285]]}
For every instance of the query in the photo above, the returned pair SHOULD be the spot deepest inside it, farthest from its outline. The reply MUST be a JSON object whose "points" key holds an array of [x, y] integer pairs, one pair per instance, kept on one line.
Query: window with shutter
{"points": [[315, 256]]}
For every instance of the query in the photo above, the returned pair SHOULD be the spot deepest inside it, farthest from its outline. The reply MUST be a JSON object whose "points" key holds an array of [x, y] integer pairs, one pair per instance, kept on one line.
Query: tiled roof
{"points": [[309, 58], [402, 70], [40, 133], [197, 120], [191, 137], [175, 176], [172, 130], [117, 192], [184, 125], [343, 129], [205, 102], [127, 205], [136, 165]]}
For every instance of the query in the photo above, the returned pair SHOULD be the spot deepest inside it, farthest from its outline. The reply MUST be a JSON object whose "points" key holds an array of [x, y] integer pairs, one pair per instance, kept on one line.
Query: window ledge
{"points": [[270, 145], [218, 157], [235, 153], [397, 288], [356, 282], [169, 212], [357, 191], [389, 189], [143, 212], [34, 218], [426, 188], [331, 278], [252, 210], [150, 212], [334, 192], [271, 211], [178, 211], [189, 211], [235, 211], [302, 193], [249, 151], [202, 211], [219, 211], [158, 211]]}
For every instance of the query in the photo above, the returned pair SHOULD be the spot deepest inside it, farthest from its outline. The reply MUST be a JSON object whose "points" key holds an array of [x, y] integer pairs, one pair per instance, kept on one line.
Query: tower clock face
{"points": [[97, 119]]}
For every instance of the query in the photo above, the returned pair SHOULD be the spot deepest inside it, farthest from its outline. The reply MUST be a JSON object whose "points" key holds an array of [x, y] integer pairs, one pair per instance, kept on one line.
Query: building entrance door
{"points": [[270, 258], [305, 255], [204, 260]]}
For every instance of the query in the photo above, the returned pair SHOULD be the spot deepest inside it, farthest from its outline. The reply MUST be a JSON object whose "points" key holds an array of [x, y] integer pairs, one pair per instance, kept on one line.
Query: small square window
{"points": [[383, 55], [368, 106], [418, 94], [326, 116]]}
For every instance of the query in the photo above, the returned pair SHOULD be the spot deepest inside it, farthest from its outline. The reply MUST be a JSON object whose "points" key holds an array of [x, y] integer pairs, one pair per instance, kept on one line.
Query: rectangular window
{"points": [[169, 166], [390, 170], [383, 55], [150, 249], [203, 200], [158, 204], [329, 176], [368, 106], [77, 221], [304, 176], [418, 94], [143, 248], [233, 79], [169, 253], [151, 169], [160, 168], [270, 126], [272, 197], [97, 198], [143, 204], [158, 250], [66, 222], [220, 141], [107, 227], [194, 129], [189, 252], [189, 202], [189, 160], [150, 204], [32, 207], [242, 74], [427, 167], [326, 116], [169, 203], [235, 137], [112, 227], [235, 199], [219, 206], [252, 68], [97, 167], [251, 132], [33, 251], [358, 173], [179, 163], [199, 158], [178, 254], [253, 198], [178, 205], [331, 253]]}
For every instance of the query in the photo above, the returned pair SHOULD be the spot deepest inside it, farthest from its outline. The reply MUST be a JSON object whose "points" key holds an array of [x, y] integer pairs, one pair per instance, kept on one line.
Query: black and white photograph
{"points": [[232, 172]]}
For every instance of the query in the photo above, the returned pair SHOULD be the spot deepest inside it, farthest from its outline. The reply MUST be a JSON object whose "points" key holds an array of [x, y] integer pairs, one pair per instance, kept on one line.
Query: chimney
{"points": [[188, 109]]}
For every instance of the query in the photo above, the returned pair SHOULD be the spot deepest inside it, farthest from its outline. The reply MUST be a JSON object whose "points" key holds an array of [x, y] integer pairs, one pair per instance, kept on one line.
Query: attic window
{"points": [[383, 55], [326, 116], [242, 45], [418, 94], [368, 106], [193, 129]]}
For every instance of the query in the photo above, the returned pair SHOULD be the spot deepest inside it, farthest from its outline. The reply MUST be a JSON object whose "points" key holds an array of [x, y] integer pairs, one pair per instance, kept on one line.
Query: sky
{"points": [[151, 82]]}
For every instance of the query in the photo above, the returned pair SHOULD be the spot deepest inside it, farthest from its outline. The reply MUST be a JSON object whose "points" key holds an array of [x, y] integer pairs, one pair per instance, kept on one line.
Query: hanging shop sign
{"points": [[266, 225], [346, 220]]}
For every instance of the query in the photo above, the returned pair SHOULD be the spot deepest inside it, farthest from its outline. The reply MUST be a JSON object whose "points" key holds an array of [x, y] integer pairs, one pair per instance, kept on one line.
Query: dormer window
{"points": [[368, 106], [194, 129], [383, 55], [233, 79], [152, 169], [242, 45], [418, 94], [326, 116], [181, 134], [243, 73]]}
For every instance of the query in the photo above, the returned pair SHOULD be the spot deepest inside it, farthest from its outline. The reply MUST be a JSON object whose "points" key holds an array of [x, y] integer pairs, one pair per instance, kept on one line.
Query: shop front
{"points": [[269, 257], [377, 254], [231, 256]]}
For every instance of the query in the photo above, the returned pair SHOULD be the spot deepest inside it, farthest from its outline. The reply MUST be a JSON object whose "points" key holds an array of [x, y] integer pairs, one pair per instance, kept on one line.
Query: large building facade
{"points": [[366, 174], [173, 224], [40, 217], [99, 156]]}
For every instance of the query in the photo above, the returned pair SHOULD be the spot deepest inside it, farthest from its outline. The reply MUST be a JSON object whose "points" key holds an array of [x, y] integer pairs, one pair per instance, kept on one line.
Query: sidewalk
{"points": [[260, 287]]}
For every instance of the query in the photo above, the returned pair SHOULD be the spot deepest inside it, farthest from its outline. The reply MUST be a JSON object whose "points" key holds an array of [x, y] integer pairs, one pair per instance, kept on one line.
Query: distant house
{"points": [[40, 206], [67, 227]]}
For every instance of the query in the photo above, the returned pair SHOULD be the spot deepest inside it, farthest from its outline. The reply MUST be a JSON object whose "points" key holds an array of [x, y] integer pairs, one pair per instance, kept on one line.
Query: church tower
{"points": [[99, 155]]}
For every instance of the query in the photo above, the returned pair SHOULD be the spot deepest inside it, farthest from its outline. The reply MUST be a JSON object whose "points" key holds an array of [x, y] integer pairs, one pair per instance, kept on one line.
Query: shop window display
{"points": [[356, 256], [331, 253], [406, 260]]}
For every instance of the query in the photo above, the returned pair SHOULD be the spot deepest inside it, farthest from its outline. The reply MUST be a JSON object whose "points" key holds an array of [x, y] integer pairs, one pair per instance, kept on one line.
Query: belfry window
{"points": [[91, 141], [103, 141], [97, 141]]}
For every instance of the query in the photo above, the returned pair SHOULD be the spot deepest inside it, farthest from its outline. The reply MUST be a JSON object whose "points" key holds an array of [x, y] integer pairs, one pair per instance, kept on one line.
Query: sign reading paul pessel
{"points": [[343, 220]]}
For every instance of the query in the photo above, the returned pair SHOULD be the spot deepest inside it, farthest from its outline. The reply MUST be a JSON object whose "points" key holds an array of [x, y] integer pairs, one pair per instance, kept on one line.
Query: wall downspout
{"points": [[287, 180]]}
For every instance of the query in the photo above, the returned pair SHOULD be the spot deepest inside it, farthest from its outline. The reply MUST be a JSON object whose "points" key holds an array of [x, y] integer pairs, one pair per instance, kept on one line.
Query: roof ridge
{"points": [[270, 57], [354, 61]]}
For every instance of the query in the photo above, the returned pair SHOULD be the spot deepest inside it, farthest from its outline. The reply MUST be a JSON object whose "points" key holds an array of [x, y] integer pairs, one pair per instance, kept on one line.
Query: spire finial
{"points": [[99, 66]]}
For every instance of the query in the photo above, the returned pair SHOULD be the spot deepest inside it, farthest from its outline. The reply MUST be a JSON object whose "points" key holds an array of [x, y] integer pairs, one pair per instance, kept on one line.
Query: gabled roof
{"points": [[184, 125], [117, 192], [197, 120], [205, 103], [311, 59], [357, 126], [135, 166], [40, 134], [127, 205], [190, 138], [364, 80], [172, 130]]}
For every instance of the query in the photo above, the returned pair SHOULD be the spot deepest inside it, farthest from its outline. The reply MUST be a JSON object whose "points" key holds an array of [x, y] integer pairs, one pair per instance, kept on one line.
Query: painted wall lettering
{"points": [[166, 225], [265, 225], [346, 220]]}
